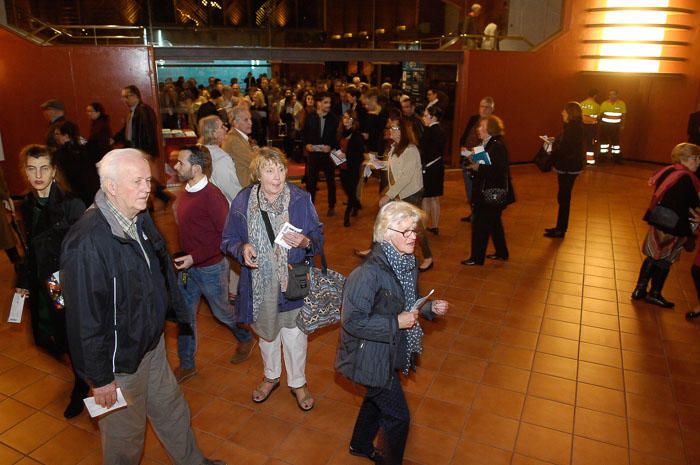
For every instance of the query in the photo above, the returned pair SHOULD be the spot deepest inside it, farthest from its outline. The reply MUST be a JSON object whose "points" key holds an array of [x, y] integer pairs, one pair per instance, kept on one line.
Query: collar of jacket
{"points": [[377, 255], [101, 205]]}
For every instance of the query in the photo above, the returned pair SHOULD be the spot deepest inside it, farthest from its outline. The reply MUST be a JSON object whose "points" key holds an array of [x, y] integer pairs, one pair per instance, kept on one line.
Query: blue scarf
{"points": [[403, 267]]}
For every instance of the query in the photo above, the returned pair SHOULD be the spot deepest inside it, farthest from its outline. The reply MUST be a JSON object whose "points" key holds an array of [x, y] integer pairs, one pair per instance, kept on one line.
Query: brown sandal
{"points": [[307, 402], [260, 395]]}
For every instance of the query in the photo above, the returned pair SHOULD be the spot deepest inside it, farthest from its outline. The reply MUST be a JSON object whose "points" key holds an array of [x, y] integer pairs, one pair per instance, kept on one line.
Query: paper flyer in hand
{"points": [[420, 302], [338, 157], [375, 163], [286, 227], [97, 410], [16, 308]]}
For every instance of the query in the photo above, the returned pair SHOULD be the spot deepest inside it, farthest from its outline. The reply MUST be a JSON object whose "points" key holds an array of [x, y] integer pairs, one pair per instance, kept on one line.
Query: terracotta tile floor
{"points": [[543, 359]]}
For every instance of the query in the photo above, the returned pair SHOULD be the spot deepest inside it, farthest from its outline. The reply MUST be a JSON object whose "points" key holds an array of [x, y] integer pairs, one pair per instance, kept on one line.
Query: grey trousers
{"points": [[151, 393]]}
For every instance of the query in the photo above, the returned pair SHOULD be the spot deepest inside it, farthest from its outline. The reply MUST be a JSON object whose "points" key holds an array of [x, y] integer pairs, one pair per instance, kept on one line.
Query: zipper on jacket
{"points": [[114, 299]]}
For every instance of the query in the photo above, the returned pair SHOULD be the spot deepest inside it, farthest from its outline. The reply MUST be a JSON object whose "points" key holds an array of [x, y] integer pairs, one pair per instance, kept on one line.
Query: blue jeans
{"points": [[212, 283]]}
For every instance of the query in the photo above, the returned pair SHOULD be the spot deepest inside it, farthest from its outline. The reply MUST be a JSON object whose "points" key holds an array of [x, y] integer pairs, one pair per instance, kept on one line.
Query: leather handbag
{"points": [[322, 306], [298, 277], [663, 217], [496, 196], [298, 282], [543, 160]]}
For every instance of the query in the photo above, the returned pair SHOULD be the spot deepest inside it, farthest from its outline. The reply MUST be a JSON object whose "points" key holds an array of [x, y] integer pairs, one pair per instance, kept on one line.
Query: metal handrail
{"points": [[64, 30], [450, 39]]}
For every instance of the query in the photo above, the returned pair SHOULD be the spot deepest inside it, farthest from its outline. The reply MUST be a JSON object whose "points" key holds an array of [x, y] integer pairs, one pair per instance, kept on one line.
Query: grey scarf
{"points": [[270, 259], [403, 266]]}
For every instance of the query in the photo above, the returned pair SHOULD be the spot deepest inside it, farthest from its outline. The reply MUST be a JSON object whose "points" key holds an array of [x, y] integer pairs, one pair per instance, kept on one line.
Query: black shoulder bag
{"points": [[298, 283]]}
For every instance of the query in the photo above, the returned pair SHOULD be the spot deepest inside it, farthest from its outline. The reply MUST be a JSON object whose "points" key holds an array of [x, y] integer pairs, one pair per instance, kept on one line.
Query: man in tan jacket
{"points": [[237, 145]]}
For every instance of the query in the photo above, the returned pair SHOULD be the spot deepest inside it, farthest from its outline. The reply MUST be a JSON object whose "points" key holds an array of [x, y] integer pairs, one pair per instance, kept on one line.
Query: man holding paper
{"points": [[118, 284], [319, 136], [201, 213]]}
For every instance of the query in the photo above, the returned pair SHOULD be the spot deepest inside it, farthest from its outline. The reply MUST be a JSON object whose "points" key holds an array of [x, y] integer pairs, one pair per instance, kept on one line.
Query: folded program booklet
{"points": [[97, 410]]}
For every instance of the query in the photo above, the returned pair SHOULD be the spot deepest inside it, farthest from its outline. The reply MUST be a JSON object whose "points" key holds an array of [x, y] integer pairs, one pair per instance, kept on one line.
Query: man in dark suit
{"points": [[319, 137], [140, 131], [694, 128]]}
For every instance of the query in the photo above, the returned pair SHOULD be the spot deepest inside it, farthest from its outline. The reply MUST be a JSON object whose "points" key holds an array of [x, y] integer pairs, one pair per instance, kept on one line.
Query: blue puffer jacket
{"points": [[371, 347]]}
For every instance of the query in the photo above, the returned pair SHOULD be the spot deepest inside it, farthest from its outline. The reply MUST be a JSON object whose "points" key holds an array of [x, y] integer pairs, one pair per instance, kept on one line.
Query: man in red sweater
{"points": [[200, 214]]}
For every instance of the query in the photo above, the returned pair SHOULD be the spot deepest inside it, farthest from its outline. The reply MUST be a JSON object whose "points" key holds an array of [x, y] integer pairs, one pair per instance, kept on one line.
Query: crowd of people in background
{"points": [[236, 249]]}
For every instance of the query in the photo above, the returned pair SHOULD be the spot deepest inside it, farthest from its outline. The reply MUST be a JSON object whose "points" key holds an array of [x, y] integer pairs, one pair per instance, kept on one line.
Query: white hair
{"points": [[393, 213], [109, 166]]}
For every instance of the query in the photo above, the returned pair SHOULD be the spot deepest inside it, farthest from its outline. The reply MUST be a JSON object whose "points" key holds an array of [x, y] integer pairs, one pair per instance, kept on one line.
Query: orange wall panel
{"points": [[30, 75], [531, 88]]}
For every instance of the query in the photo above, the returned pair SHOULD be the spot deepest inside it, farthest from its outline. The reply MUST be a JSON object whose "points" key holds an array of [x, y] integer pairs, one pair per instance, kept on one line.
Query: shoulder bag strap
{"points": [[266, 220]]}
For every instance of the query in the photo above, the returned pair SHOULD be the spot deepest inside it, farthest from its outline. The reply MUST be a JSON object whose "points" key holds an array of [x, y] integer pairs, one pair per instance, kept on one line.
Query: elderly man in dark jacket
{"points": [[118, 283], [380, 334]]}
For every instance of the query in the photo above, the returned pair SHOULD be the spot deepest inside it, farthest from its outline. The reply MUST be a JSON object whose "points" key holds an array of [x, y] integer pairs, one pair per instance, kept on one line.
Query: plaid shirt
{"points": [[128, 225]]}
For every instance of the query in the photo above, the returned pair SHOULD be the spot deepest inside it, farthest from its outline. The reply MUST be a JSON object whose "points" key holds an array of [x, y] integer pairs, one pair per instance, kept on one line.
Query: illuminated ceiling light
{"points": [[380, 31], [401, 28], [348, 35], [363, 33], [632, 36], [336, 37]]}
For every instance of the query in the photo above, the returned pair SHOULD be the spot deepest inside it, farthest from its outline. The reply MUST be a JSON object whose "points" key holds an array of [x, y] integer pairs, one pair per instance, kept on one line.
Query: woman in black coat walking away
{"points": [[352, 144], [568, 156], [675, 198], [486, 215], [432, 149], [48, 213]]}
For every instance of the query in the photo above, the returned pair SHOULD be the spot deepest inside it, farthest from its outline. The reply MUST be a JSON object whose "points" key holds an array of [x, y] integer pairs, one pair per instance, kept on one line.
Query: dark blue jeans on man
{"points": [[212, 283]]}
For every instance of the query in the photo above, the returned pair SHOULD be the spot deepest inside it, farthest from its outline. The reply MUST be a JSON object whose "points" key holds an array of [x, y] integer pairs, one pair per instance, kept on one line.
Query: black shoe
{"points": [[434, 230], [466, 219], [556, 233], [549, 230], [645, 272], [75, 408], [331, 211], [639, 293], [470, 262], [497, 257], [375, 455], [658, 299], [658, 278]]}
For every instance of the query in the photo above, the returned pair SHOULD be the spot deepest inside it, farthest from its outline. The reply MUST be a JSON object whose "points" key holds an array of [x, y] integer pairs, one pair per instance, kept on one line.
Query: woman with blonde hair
{"points": [[381, 337], [257, 216], [670, 230]]}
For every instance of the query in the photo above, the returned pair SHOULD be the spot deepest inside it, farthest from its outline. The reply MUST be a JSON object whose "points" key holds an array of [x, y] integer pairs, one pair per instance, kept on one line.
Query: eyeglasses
{"points": [[394, 128], [407, 233]]}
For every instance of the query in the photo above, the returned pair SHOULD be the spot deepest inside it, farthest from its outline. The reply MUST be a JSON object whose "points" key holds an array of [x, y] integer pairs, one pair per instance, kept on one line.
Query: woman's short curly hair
{"points": [[263, 157], [684, 151], [393, 213]]}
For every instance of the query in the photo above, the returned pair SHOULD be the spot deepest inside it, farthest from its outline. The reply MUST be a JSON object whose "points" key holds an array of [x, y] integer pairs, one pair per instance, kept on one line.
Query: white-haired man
{"points": [[237, 143], [119, 282]]}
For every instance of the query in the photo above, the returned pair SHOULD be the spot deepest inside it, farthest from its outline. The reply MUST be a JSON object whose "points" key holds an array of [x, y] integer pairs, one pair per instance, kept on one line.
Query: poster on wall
{"points": [[2, 150]]}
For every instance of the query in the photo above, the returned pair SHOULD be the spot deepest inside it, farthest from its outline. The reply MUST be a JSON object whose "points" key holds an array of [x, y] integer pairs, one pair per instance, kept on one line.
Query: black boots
{"points": [[658, 278], [640, 291], [651, 271]]}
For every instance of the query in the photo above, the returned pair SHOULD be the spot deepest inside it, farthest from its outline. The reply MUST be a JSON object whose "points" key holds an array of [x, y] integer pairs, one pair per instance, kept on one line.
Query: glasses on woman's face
{"points": [[394, 128], [407, 233]]}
